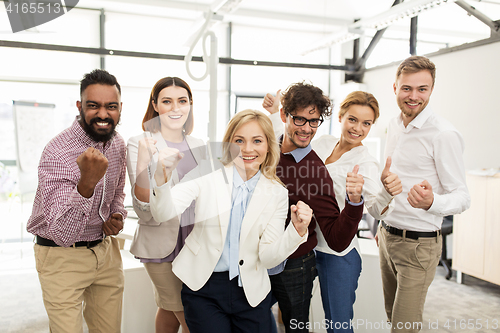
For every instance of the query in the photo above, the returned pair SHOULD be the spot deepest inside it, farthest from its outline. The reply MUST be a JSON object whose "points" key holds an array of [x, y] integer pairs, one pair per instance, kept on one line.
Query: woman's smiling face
{"points": [[252, 148], [173, 106], [356, 123]]}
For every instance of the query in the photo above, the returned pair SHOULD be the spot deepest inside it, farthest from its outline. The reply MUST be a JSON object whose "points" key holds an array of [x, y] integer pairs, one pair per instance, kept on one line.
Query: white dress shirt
{"points": [[429, 148], [375, 196]]}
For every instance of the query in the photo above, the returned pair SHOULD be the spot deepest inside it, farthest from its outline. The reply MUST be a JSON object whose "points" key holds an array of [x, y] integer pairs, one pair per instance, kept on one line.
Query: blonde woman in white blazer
{"points": [[339, 272], [168, 122], [226, 285]]}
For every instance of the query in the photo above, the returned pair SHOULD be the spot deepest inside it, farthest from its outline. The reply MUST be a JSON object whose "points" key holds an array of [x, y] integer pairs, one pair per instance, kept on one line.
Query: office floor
{"points": [[448, 304]]}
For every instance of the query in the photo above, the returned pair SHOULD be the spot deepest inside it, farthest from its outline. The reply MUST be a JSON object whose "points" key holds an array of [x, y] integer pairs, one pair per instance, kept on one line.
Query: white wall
{"points": [[466, 93]]}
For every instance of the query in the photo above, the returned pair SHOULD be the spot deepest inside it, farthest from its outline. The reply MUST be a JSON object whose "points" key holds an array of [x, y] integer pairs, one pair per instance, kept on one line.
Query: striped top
{"points": [[60, 213]]}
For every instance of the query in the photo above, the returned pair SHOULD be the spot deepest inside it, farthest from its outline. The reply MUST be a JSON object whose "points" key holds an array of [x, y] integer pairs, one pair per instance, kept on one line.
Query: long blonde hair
{"points": [[268, 167]]}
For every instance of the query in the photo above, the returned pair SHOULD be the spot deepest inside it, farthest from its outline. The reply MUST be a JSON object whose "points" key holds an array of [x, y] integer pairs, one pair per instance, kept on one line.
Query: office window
{"points": [[40, 65], [78, 27]]}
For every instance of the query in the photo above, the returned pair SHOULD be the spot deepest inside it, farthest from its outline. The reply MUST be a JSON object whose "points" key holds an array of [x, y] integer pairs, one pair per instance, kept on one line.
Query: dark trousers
{"points": [[221, 307], [293, 290]]}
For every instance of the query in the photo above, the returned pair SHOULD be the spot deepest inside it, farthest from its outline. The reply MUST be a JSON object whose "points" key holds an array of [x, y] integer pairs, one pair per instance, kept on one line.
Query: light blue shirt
{"points": [[299, 153], [240, 197]]}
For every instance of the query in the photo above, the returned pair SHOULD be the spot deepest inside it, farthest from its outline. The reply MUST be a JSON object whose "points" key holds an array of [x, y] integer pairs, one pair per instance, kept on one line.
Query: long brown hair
{"points": [[155, 125]]}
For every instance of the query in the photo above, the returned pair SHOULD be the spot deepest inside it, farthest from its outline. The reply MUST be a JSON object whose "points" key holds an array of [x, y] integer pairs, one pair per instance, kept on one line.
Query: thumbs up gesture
{"points": [[421, 195], [354, 185], [168, 159], [272, 103], [391, 181]]}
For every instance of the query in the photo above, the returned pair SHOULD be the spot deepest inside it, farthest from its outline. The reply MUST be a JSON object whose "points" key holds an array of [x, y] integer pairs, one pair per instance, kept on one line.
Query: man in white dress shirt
{"points": [[426, 153]]}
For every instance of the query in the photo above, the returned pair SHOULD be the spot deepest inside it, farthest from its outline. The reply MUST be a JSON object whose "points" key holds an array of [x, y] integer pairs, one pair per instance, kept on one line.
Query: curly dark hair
{"points": [[301, 95]]}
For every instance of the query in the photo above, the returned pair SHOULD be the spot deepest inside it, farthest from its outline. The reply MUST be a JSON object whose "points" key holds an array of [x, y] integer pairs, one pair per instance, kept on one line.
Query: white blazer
{"points": [[264, 242], [153, 240]]}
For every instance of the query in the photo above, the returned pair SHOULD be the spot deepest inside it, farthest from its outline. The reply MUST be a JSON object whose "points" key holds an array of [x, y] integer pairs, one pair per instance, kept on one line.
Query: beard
{"points": [[99, 136], [412, 113]]}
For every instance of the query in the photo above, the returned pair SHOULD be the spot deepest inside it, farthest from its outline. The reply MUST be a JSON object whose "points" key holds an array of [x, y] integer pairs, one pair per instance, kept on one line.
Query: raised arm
{"points": [[338, 228], [67, 197], [139, 153], [379, 194], [272, 105], [168, 202]]}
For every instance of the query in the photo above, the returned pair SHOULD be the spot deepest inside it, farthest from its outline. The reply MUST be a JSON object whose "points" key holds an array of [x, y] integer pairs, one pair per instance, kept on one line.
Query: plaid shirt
{"points": [[60, 213]]}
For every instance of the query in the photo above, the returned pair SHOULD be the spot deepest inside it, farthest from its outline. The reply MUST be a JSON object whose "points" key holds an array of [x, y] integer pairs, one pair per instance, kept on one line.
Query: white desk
{"points": [[369, 311], [139, 306]]}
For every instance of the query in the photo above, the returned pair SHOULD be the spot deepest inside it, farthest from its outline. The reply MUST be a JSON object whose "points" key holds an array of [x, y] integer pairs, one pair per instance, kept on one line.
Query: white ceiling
{"points": [[313, 15], [445, 26], [318, 15]]}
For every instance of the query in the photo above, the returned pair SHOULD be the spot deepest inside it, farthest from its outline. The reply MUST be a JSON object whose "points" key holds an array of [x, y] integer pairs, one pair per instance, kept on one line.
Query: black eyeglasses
{"points": [[301, 121]]}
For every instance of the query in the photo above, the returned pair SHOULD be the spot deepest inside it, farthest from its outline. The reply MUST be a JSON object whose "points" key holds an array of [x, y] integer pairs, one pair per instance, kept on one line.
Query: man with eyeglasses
{"points": [[307, 179]]}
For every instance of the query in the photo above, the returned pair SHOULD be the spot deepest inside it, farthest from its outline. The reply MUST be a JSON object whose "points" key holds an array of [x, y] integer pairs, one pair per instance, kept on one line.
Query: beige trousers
{"points": [[408, 267], [79, 278]]}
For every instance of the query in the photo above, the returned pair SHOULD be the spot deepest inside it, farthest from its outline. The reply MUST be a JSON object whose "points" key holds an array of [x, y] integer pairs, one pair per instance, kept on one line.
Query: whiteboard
{"points": [[34, 128]]}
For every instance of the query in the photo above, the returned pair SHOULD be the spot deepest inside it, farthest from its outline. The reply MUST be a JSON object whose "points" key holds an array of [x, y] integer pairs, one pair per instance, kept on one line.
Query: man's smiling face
{"points": [[100, 110], [413, 91], [299, 136]]}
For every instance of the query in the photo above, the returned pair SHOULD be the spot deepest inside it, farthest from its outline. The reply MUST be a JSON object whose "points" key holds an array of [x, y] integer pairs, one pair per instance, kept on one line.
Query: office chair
{"points": [[446, 229]]}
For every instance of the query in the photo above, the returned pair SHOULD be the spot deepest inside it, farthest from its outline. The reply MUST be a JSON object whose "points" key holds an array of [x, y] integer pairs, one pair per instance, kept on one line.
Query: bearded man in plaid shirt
{"points": [[77, 208]]}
